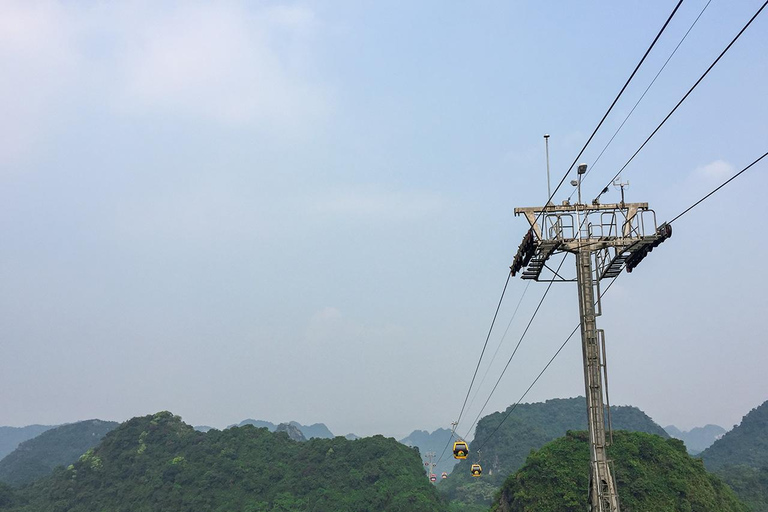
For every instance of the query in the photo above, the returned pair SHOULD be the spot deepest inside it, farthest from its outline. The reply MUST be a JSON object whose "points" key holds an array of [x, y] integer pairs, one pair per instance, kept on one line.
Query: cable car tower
{"points": [[606, 239]]}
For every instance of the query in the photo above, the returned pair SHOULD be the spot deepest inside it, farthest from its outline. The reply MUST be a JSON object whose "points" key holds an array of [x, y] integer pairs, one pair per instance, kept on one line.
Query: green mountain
{"points": [[750, 484], [12, 437], [652, 474], [435, 443], [746, 444], [58, 446], [158, 463], [528, 427], [697, 439], [740, 458]]}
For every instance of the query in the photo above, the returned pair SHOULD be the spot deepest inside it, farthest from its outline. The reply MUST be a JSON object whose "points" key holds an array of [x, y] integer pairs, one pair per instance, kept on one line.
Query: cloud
{"points": [[228, 62], [221, 62], [718, 170], [39, 63]]}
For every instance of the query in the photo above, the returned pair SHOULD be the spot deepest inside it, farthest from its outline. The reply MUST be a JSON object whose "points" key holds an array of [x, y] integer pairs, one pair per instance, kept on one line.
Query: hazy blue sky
{"points": [[303, 211]]}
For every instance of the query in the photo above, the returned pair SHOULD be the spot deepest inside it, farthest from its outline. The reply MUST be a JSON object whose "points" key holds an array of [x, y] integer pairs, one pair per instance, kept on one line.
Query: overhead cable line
{"points": [[687, 94], [501, 299], [501, 341], [592, 166], [626, 84], [516, 346], [605, 291], [718, 188], [562, 346], [614, 101], [558, 187], [507, 365]]}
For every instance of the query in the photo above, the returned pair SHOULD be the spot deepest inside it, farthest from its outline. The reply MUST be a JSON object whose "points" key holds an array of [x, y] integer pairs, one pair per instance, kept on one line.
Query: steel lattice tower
{"points": [[605, 239]]}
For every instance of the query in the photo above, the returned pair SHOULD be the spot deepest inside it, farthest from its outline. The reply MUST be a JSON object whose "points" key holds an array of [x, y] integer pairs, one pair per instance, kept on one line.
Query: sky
{"points": [[304, 210]]}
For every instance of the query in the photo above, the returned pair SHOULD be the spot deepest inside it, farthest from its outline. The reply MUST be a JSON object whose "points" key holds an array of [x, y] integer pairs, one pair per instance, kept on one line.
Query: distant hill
{"points": [[434, 442], [292, 431], [529, 426], [652, 474], [740, 458], [60, 446], [12, 437], [697, 439], [159, 463], [316, 430]]}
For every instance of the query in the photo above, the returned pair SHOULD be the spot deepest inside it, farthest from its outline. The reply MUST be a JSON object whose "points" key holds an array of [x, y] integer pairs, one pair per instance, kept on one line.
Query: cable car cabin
{"points": [[433, 477], [460, 450], [444, 475], [476, 470]]}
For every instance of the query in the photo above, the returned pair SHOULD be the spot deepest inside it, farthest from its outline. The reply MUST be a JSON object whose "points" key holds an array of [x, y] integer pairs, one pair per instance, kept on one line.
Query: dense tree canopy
{"points": [[59, 446], [529, 426], [160, 463], [740, 457], [652, 474]]}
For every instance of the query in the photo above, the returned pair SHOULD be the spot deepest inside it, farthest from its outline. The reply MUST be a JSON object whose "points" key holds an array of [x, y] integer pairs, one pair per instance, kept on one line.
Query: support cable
{"points": [[509, 361], [688, 93], [514, 406], [555, 191], [560, 184], [503, 336], [606, 290], [516, 346], [501, 299], [718, 188], [592, 165]]}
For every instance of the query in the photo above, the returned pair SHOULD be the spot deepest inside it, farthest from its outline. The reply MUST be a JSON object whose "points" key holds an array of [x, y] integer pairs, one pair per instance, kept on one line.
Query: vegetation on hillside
{"points": [[530, 426], [750, 484], [12, 437], [160, 463], [652, 474], [746, 444], [740, 458], [58, 446]]}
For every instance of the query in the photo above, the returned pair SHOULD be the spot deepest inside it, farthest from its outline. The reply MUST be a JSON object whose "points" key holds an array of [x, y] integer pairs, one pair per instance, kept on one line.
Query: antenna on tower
{"points": [[546, 144], [619, 184]]}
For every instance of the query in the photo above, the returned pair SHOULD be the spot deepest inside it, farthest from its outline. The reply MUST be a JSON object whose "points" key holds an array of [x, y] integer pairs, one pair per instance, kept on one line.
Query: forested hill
{"points": [[652, 474], [58, 446], [12, 437], [746, 444], [528, 427], [160, 463], [740, 458]]}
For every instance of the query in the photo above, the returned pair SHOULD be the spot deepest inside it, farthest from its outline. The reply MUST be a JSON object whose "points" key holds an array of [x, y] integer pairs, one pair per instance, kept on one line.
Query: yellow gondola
{"points": [[476, 470], [460, 450]]}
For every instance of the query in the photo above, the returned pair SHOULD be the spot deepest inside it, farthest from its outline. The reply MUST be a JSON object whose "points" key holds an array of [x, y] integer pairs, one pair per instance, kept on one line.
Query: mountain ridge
{"points": [[59, 446], [158, 462]]}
